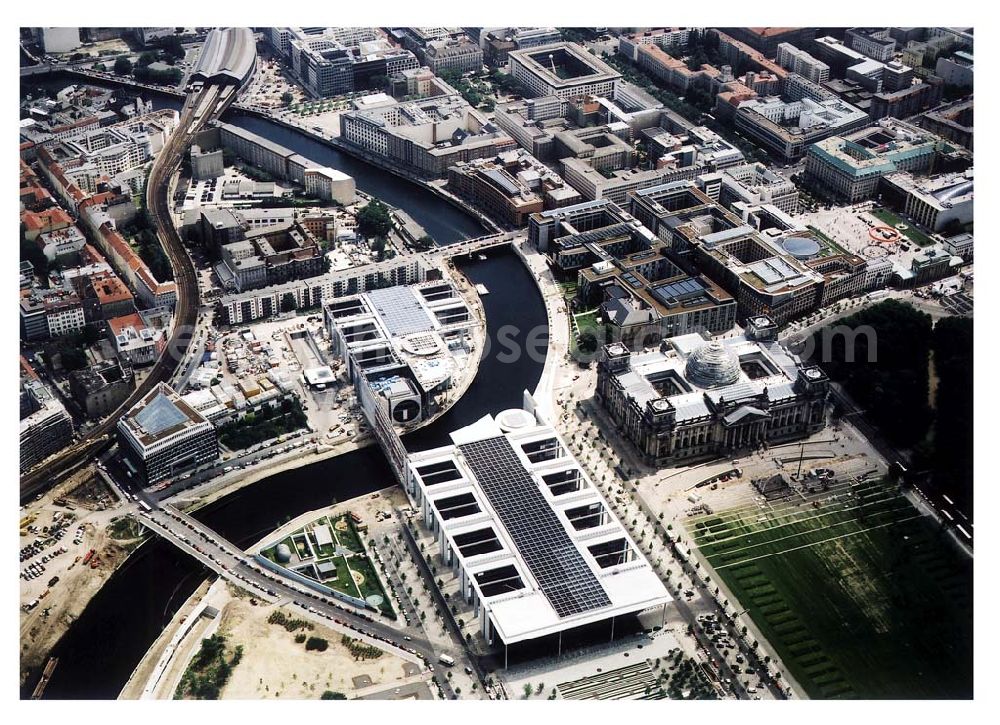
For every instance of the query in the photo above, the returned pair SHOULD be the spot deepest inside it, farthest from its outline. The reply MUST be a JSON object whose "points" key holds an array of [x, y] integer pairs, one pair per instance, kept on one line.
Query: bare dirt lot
{"points": [[84, 510], [275, 666]]}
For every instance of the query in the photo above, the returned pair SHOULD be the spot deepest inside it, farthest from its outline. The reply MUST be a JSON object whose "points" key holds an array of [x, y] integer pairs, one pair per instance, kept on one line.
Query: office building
{"points": [[267, 302], [497, 43], [907, 101], [876, 43], [453, 56], [801, 63], [849, 167], [406, 343], [424, 137], [338, 61], [956, 69], [537, 549], [59, 40], [206, 163], [328, 184], [741, 56], [489, 187], [62, 245], [136, 342], [564, 70], [670, 40], [106, 296], [838, 56], [936, 202], [46, 428], [162, 436], [50, 313], [786, 129], [270, 255], [748, 252], [752, 184], [952, 121], [101, 388], [766, 40], [673, 72]]}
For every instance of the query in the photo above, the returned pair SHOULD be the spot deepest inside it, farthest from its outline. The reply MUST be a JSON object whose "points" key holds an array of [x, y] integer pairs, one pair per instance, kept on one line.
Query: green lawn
{"points": [[861, 597], [348, 537], [833, 247], [587, 322], [342, 580], [371, 584], [889, 218]]}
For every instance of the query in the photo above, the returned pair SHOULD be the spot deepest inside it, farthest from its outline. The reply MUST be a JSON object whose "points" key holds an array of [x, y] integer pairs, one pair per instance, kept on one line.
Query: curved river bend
{"points": [[101, 649]]}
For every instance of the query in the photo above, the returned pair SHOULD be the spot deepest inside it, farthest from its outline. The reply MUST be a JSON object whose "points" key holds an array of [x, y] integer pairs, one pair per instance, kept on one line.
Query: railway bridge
{"points": [[225, 71]]}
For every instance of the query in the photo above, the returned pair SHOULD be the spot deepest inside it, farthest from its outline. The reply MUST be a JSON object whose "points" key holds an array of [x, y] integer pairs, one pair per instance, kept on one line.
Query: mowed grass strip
{"points": [[878, 607]]}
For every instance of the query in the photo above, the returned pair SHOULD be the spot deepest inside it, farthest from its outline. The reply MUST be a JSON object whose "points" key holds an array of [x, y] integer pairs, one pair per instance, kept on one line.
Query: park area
{"points": [[908, 229], [330, 552], [859, 594]]}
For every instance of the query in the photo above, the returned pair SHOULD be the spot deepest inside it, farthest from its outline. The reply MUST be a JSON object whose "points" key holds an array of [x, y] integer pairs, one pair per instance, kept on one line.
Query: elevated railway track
{"points": [[200, 108]]}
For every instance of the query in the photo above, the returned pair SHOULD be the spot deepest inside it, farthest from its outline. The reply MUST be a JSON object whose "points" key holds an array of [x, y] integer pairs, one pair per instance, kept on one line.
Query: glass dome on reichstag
{"points": [[712, 366]]}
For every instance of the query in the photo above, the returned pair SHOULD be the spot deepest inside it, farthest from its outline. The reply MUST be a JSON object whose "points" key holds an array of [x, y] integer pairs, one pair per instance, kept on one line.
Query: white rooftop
{"points": [[529, 497]]}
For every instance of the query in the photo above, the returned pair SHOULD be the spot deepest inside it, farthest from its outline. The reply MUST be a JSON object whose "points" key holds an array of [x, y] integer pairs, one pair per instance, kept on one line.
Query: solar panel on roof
{"points": [[689, 289], [400, 311], [159, 415], [632, 279], [552, 558]]}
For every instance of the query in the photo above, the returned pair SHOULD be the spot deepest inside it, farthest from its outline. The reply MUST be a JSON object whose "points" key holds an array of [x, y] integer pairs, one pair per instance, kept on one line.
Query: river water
{"points": [[102, 648]]}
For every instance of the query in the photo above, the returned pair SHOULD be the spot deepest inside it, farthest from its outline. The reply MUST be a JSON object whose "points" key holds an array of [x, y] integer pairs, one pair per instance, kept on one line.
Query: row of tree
{"points": [[885, 365]]}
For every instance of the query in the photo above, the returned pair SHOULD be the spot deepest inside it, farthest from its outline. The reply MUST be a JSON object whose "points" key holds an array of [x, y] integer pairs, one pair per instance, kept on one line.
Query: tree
{"points": [[123, 66], [317, 643], [287, 98], [147, 58], [172, 47], [90, 335], [374, 220], [287, 302], [378, 247], [587, 342], [331, 695], [527, 691], [71, 356]]}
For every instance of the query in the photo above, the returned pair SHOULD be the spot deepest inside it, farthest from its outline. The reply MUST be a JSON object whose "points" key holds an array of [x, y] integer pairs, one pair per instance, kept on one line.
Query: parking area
{"points": [[270, 84]]}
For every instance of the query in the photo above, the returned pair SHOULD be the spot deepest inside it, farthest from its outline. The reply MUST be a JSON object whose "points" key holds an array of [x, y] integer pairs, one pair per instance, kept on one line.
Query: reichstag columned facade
{"points": [[694, 398]]}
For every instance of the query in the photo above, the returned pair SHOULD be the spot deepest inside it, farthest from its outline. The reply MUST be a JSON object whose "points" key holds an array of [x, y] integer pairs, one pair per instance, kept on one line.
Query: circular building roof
{"points": [[801, 247], [712, 366], [513, 419], [283, 554]]}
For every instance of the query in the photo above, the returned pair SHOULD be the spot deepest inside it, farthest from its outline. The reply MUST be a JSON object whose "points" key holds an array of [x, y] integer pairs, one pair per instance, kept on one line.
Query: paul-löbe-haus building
{"points": [[537, 550]]}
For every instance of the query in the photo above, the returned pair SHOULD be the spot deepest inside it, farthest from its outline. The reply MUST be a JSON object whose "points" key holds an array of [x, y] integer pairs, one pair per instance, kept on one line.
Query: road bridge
{"points": [[234, 565], [472, 246]]}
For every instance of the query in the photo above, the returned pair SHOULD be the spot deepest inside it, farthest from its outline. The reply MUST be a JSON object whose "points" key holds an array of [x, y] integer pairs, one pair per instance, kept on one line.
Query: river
{"points": [[101, 649]]}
